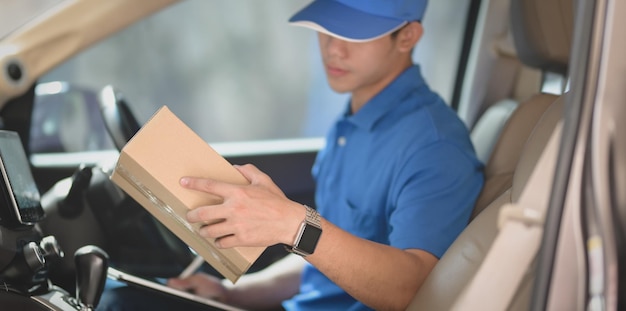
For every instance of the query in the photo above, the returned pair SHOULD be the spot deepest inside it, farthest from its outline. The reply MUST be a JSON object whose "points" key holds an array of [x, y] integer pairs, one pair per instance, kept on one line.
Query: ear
{"points": [[408, 36]]}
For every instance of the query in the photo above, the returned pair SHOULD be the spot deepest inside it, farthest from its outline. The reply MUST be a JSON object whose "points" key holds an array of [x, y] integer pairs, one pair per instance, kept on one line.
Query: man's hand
{"points": [[258, 214], [202, 285]]}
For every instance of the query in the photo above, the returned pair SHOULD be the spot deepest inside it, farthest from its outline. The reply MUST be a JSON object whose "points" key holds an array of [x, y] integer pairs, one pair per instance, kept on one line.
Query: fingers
{"points": [[227, 241], [200, 284], [205, 185], [226, 235], [208, 214], [180, 284], [216, 231], [246, 215], [249, 171], [224, 190]]}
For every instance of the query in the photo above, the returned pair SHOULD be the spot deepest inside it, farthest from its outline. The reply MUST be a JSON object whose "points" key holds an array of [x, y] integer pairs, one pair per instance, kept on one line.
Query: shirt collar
{"points": [[387, 100]]}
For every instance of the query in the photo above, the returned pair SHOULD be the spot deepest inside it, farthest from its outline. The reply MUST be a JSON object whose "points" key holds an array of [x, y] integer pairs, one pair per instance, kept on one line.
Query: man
{"points": [[395, 184]]}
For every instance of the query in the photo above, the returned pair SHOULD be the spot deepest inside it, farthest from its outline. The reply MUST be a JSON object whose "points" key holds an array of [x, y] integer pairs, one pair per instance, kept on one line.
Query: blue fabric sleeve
{"points": [[436, 198]]}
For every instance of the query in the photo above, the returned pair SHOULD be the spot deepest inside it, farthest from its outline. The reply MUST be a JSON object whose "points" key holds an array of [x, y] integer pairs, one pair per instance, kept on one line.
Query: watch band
{"points": [[313, 217]]}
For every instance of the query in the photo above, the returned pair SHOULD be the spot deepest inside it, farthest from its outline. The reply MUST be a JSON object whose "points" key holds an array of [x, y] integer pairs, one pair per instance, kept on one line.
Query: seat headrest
{"points": [[542, 33]]}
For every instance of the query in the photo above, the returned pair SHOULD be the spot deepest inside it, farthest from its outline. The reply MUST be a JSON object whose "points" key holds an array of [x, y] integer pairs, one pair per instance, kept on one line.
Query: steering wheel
{"points": [[137, 241], [118, 118]]}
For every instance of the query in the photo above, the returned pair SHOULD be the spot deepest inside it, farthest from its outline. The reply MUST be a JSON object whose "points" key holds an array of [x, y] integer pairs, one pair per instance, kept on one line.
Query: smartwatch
{"points": [[308, 234]]}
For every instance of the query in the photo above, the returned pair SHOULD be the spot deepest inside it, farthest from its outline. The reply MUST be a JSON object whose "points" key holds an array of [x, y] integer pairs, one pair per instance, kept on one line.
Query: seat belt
{"points": [[514, 249]]}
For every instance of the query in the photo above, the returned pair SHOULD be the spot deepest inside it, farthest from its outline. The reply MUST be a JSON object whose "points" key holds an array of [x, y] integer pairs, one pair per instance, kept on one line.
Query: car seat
{"points": [[542, 31], [510, 82], [489, 126]]}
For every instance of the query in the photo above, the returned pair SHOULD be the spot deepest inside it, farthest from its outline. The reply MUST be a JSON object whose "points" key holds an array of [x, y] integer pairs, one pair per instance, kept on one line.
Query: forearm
{"points": [[269, 287], [258, 214], [380, 276]]}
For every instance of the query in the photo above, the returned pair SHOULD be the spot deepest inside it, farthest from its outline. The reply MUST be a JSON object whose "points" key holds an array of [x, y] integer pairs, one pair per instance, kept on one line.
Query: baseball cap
{"points": [[359, 20]]}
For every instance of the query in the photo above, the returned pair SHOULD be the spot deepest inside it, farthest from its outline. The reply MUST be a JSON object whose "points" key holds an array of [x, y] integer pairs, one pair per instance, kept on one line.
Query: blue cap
{"points": [[359, 20]]}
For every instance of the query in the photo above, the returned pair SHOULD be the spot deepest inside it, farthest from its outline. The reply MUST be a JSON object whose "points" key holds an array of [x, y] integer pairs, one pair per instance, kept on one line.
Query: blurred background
{"points": [[236, 71]]}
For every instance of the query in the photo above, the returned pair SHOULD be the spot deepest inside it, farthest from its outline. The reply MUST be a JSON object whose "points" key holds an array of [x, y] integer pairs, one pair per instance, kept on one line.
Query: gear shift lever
{"points": [[91, 271]]}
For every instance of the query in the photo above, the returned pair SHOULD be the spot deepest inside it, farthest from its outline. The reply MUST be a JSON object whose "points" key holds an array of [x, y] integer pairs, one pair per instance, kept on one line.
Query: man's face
{"points": [[360, 68]]}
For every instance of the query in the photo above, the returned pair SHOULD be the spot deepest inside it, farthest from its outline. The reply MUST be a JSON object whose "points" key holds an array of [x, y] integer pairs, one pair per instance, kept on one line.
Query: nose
{"points": [[332, 46]]}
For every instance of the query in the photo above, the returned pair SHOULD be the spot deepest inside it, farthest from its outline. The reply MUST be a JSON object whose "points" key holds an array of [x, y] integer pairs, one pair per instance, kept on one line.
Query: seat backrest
{"points": [[514, 156], [506, 152], [542, 35]]}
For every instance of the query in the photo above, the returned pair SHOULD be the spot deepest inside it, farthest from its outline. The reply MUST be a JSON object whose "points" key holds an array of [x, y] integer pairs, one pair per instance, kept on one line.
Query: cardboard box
{"points": [[149, 169]]}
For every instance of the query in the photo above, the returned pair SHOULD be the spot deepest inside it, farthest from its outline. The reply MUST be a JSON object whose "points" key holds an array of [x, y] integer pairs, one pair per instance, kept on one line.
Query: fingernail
{"points": [[184, 181]]}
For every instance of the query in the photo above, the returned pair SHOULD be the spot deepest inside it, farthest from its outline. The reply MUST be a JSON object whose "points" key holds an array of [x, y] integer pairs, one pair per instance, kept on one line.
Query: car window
{"points": [[234, 70], [16, 13]]}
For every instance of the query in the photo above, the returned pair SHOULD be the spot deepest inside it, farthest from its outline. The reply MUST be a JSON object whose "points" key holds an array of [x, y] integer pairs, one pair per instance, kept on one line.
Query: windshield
{"points": [[15, 13], [231, 70]]}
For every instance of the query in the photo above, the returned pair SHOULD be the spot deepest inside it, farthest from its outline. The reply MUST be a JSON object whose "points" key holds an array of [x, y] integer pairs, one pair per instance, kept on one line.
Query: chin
{"points": [[340, 88]]}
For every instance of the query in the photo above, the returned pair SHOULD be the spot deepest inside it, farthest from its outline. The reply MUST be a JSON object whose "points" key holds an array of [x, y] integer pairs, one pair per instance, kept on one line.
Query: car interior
{"points": [[515, 86], [542, 42]]}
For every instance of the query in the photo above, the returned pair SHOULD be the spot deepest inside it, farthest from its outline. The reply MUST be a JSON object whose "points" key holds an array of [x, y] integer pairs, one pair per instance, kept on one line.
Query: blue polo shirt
{"points": [[401, 171]]}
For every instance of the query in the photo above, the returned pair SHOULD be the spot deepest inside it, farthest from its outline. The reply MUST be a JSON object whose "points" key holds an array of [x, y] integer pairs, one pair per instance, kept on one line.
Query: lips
{"points": [[335, 71]]}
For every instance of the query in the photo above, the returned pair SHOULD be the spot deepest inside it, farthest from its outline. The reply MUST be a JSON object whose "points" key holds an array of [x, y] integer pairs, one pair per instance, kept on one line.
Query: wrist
{"points": [[308, 233], [294, 224]]}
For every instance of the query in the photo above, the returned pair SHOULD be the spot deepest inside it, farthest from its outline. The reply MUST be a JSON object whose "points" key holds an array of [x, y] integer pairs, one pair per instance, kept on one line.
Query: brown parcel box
{"points": [[149, 169]]}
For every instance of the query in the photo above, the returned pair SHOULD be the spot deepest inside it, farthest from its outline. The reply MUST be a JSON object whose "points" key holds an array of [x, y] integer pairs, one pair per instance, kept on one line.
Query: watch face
{"points": [[310, 236]]}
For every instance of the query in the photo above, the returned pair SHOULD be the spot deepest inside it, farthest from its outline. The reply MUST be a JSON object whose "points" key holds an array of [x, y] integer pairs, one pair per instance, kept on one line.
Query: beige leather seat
{"points": [[506, 153], [542, 31]]}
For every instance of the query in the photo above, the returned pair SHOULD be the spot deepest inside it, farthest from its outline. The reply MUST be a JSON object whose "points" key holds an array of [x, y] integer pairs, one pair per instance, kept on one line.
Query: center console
{"points": [[26, 255]]}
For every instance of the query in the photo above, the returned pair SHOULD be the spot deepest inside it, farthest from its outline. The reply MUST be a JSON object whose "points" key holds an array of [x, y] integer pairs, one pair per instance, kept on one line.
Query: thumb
{"points": [[250, 172], [257, 178]]}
